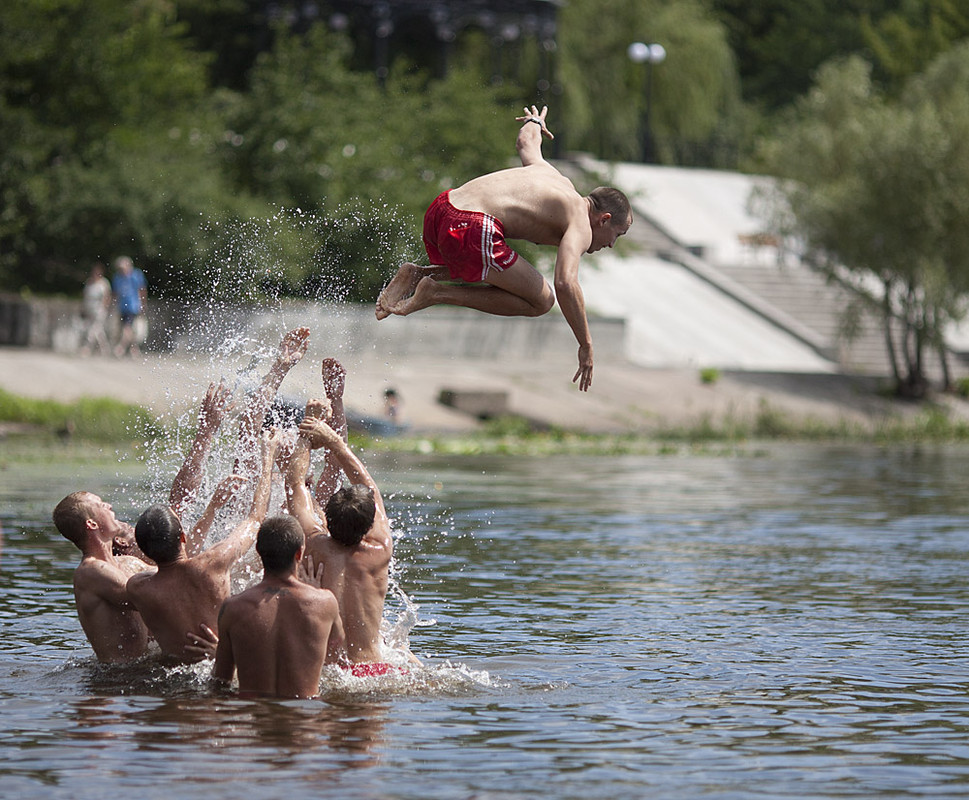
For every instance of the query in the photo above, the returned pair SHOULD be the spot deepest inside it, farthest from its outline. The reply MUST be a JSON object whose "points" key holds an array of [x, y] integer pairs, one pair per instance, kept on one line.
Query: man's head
{"points": [[350, 513], [610, 215], [279, 543], [80, 512], [124, 265], [159, 534]]}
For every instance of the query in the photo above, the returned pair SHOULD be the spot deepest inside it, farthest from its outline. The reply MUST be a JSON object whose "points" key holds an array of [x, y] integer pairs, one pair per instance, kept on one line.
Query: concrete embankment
{"points": [[529, 362]]}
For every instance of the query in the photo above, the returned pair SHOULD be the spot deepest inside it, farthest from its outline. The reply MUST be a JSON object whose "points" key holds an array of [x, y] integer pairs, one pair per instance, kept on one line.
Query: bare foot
{"points": [[400, 286], [424, 296]]}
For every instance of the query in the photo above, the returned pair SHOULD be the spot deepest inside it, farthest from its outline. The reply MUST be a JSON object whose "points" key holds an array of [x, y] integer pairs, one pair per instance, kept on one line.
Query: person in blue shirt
{"points": [[130, 291]]}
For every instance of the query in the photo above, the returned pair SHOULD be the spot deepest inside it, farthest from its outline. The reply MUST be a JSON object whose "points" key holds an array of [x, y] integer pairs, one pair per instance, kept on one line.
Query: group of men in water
{"points": [[326, 561]]}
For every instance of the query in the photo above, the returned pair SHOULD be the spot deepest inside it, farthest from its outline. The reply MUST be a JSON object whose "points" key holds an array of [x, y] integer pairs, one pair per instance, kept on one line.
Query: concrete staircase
{"points": [[825, 314]]}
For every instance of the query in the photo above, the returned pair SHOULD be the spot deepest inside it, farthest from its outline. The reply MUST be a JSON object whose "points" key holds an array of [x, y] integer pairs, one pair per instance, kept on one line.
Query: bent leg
{"points": [[519, 291]]}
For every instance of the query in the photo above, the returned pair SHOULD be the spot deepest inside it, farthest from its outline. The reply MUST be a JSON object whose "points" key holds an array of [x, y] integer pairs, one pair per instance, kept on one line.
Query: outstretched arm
{"points": [[244, 534], [298, 498], [291, 350], [334, 382], [224, 492], [319, 434], [568, 293], [529, 142], [215, 405], [299, 502]]}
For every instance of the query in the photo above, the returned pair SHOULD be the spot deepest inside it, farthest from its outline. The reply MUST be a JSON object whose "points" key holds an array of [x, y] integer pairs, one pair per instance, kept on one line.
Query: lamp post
{"points": [[639, 53]]}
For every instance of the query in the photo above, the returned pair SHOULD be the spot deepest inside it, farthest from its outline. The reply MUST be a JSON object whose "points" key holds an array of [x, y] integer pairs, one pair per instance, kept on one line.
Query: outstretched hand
{"points": [[293, 347], [215, 405], [310, 573], [227, 489], [584, 373], [319, 434], [539, 116]]}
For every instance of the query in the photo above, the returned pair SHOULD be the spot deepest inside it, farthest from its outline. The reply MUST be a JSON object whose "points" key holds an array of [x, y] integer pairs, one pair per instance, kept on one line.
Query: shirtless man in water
{"points": [[278, 634], [112, 625], [186, 592], [114, 628], [353, 541], [464, 235]]}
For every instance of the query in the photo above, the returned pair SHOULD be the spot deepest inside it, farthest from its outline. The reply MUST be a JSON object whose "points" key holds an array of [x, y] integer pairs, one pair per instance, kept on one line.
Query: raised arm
{"points": [[215, 405], [529, 142], [334, 383], [298, 499], [244, 534], [291, 350], [224, 492], [319, 434]]}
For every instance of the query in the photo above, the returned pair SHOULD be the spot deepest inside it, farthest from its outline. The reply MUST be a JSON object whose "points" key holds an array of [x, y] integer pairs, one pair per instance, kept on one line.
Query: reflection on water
{"points": [[789, 622]]}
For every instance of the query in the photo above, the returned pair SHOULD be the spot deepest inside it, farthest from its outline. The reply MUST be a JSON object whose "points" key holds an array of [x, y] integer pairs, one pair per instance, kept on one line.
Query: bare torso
{"points": [[115, 630], [358, 577], [278, 632], [179, 598], [535, 203]]}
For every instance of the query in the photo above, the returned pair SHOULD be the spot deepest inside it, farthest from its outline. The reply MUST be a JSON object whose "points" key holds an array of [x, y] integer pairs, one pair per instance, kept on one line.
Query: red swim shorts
{"points": [[469, 243], [373, 669]]}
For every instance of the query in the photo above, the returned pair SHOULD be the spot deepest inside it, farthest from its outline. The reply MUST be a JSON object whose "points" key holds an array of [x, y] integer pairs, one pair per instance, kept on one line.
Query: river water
{"points": [[790, 622]]}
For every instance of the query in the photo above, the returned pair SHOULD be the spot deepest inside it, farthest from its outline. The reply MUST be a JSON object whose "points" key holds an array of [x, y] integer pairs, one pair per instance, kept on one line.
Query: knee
{"points": [[543, 305]]}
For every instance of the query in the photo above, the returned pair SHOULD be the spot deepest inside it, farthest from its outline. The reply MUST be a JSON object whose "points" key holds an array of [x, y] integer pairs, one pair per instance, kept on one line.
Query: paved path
{"points": [[624, 397]]}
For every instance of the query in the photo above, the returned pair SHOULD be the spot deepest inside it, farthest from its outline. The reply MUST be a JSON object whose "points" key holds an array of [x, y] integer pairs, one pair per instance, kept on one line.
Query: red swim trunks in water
{"points": [[468, 243], [374, 669]]}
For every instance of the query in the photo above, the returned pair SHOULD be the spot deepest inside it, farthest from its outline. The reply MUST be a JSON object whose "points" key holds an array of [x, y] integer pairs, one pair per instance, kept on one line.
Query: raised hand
{"points": [[227, 489], [539, 117], [293, 347], [215, 405]]}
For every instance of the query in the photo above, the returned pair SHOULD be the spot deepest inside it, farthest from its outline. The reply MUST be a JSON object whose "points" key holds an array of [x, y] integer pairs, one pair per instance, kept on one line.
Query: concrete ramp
{"points": [[675, 319]]}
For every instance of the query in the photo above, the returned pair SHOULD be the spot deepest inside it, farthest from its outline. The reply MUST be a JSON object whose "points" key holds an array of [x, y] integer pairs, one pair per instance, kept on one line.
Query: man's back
{"points": [[536, 203], [278, 632], [180, 597], [358, 578], [115, 629]]}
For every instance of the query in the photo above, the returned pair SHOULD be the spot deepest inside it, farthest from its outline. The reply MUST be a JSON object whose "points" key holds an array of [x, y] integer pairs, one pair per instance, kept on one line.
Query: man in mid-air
{"points": [[465, 231]]}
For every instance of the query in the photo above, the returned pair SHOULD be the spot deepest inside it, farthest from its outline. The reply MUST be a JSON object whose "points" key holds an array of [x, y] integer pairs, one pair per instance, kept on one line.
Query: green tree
{"points": [[104, 147], [361, 161], [905, 40], [779, 44], [877, 188], [694, 93]]}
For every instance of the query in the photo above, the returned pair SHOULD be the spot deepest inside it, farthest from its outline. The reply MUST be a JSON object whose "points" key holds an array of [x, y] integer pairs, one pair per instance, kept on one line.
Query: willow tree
{"points": [[694, 92], [877, 192]]}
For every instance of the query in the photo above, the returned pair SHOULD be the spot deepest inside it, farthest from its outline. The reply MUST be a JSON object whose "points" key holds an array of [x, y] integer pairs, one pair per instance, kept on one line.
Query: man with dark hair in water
{"points": [[112, 625], [352, 542], [186, 592], [278, 634], [464, 235]]}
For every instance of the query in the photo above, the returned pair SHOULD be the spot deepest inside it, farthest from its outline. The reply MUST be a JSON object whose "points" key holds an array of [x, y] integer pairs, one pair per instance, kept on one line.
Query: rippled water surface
{"points": [[790, 623]]}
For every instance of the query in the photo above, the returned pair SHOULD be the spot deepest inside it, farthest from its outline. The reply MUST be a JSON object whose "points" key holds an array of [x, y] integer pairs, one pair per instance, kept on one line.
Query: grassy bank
{"points": [[101, 428]]}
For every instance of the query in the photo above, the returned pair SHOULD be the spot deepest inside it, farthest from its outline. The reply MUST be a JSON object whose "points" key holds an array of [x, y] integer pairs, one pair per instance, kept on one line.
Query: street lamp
{"points": [[640, 52]]}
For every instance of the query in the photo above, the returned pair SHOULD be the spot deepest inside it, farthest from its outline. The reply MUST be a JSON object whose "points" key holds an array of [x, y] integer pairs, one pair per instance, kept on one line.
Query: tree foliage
{"points": [[879, 187], [693, 92]]}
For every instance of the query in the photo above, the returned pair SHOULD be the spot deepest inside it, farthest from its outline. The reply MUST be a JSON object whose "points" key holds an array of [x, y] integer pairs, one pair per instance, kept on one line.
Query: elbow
{"points": [[565, 287]]}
